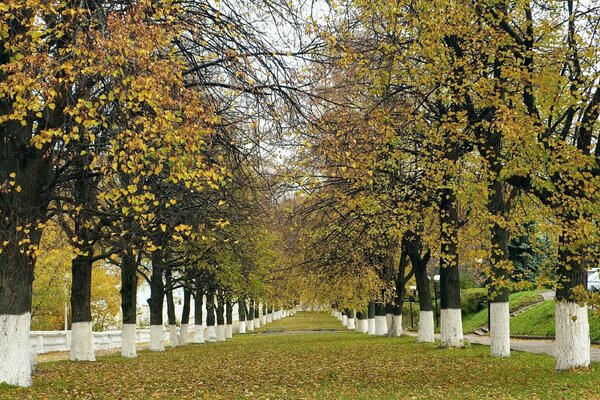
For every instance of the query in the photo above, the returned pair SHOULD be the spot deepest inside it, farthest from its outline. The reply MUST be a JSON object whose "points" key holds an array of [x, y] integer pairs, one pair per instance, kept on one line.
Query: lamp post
{"points": [[436, 279]]}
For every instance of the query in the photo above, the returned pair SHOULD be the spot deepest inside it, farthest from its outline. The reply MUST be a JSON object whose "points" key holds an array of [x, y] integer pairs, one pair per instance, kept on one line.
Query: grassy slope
{"points": [[539, 321], [312, 366], [516, 301]]}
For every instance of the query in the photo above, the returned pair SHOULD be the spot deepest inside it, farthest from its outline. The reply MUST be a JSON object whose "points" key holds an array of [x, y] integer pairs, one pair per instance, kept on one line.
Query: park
{"points": [[304, 199]]}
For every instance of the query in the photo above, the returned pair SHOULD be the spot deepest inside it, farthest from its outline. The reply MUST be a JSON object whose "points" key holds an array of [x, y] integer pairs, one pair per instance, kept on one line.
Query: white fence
{"points": [[49, 341]]}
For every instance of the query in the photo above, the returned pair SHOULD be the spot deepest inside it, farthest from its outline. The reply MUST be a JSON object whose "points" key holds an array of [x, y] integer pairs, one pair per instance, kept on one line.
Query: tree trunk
{"points": [[371, 318], [128, 304], [172, 318], [499, 309], [185, 317], [228, 320], [362, 325], [250, 316], [198, 322], [257, 316], [572, 325], [211, 333], [242, 316], [16, 278], [156, 301], [351, 324], [413, 246], [381, 328], [82, 341], [451, 319], [220, 317]]}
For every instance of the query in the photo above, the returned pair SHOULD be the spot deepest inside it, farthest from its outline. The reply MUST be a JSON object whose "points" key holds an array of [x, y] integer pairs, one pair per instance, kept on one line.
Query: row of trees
{"points": [[446, 129], [137, 128]]}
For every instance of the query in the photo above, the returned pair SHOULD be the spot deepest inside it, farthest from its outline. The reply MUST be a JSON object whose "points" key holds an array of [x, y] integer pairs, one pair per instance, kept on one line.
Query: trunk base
{"points": [[157, 338], [499, 329], [396, 327], [371, 326], [183, 334], [211, 334], [426, 328], [173, 337], [198, 334], [572, 336], [220, 333], [242, 327], [381, 328], [451, 332], [15, 350], [351, 324], [128, 349], [82, 342], [228, 331]]}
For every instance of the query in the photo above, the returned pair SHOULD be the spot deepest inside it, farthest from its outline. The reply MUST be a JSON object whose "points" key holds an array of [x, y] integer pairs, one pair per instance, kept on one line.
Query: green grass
{"points": [[311, 366], [539, 321], [516, 301], [305, 321]]}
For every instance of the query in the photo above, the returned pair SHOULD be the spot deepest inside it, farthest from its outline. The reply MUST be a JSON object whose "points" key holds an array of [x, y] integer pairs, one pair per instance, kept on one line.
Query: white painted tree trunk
{"points": [[499, 329], [82, 342], [256, 323], [250, 325], [269, 318], [362, 326], [211, 334], [345, 320], [381, 328], [128, 349], [371, 326], [198, 333], [157, 338], [451, 333], [396, 328], [15, 349], [350, 324], [173, 337], [572, 336], [263, 319], [183, 334], [426, 327], [228, 331], [242, 327], [220, 333], [389, 320]]}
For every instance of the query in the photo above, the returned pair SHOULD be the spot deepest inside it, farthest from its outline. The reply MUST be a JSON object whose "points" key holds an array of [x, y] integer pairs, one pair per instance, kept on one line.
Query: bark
{"points": [[210, 308], [129, 288], [449, 273], [371, 310], [229, 313], [220, 309], [185, 312], [242, 310], [169, 295], [198, 300], [157, 294]]}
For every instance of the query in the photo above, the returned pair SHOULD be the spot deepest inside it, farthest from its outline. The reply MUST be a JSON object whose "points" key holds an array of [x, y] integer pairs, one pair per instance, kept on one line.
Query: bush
{"points": [[473, 300]]}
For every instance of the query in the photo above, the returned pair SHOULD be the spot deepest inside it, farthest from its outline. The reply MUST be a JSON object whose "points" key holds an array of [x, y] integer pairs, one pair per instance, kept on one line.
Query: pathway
{"points": [[530, 346]]}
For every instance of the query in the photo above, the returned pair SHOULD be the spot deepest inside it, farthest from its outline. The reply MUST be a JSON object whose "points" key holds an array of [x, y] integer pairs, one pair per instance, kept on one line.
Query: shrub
{"points": [[473, 300]]}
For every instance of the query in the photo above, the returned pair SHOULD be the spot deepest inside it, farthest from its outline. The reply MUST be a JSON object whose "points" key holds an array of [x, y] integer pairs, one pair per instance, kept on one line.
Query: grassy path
{"points": [[344, 365]]}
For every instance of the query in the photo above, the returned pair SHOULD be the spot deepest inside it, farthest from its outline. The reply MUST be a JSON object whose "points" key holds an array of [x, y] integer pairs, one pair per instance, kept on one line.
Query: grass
{"points": [[311, 366], [539, 321], [304, 321], [515, 302]]}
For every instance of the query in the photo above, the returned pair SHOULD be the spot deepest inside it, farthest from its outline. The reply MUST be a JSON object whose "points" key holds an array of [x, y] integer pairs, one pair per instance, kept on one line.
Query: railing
{"points": [[49, 341]]}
